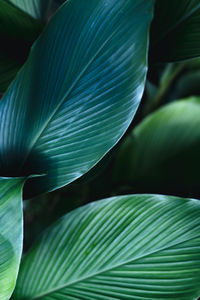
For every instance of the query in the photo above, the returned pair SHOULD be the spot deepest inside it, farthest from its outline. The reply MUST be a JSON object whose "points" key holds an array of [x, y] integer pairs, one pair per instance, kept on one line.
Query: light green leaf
{"points": [[175, 32], [11, 233], [17, 33], [129, 247], [78, 92], [38, 9], [162, 154]]}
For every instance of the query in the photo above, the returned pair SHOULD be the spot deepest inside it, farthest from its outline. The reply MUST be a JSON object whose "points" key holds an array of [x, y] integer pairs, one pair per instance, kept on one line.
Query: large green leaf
{"points": [[17, 32], [129, 247], [175, 32], [11, 233], [38, 9], [162, 153], [78, 92]]}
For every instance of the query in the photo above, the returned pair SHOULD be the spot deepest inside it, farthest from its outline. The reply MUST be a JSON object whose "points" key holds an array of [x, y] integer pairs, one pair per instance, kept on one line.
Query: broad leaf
{"points": [[17, 33], [11, 233], [162, 154], [175, 32], [78, 92], [38, 9], [130, 247]]}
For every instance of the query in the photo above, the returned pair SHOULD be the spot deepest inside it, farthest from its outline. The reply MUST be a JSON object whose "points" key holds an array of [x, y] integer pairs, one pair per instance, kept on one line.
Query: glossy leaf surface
{"points": [[162, 154], [175, 32], [38, 9], [130, 247], [78, 92], [17, 32], [11, 233]]}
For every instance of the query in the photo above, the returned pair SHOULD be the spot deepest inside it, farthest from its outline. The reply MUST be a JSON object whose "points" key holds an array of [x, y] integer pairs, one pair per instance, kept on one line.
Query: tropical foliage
{"points": [[72, 76]]}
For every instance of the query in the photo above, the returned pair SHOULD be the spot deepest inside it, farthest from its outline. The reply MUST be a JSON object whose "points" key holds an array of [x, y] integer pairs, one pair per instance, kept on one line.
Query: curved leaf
{"points": [[78, 92], [130, 247], [11, 233], [175, 32], [17, 33], [38, 9], [162, 154]]}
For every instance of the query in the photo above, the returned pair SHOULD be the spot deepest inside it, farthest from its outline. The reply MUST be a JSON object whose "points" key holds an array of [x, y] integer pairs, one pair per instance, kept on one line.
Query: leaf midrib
{"points": [[65, 96], [184, 18], [112, 268]]}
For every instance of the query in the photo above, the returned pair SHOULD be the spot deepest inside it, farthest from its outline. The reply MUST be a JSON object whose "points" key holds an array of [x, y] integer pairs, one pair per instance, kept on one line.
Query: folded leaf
{"points": [[129, 247], [11, 233], [78, 92], [162, 154], [175, 32]]}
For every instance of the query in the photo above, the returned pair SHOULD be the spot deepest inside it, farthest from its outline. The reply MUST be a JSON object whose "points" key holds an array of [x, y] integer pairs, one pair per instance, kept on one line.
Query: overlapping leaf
{"points": [[17, 32], [175, 32], [162, 154], [11, 233], [77, 93], [38, 9], [130, 247]]}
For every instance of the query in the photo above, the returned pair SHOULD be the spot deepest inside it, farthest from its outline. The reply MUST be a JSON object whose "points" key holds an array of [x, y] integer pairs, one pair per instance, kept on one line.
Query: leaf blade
{"points": [[17, 32], [119, 248], [176, 24], [38, 9], [94, 93], [170, 166], [11, 233]]}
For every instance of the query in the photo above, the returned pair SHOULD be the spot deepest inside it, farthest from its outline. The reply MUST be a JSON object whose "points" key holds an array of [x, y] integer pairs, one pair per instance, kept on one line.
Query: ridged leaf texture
{"points": [[130, 247], [175, 32], [11, 233], [170, 166], [77, 93]]}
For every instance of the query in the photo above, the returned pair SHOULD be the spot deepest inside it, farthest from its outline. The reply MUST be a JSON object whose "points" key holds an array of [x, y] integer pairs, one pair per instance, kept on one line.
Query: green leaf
{"points": [[129, 247], [78, 92], [11, 233], [17, 33], [175, 32], [187, 85], [38, 9], [162, 154]]}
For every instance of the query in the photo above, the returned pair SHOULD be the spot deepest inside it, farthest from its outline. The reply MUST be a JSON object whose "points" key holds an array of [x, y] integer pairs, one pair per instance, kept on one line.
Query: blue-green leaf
{"points": [[78, 92]]}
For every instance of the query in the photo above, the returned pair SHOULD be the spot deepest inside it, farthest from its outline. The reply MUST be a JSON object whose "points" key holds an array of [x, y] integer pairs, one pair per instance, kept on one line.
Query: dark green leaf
{"points": [[17, 33], [129, 247], [162, 154], [38, 9], [175, 32], [11, 233], [78, 92]]}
